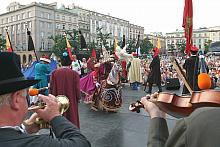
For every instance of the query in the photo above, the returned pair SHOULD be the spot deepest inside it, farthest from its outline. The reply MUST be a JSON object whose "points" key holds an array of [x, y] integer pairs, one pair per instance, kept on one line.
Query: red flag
{"points": [[69, 48], [93, 53], [188, 24], [8, 43]]}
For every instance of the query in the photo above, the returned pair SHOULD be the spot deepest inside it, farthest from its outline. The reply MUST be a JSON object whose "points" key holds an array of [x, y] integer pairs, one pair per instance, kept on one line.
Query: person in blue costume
{"points": [[41, 70]]}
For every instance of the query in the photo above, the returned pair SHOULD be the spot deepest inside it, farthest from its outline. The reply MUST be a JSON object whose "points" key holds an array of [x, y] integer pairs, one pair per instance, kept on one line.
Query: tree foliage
{"points": [[102, 39], [2, 42], [207, 45], [146, 46], [181, 46], [60, 42]]}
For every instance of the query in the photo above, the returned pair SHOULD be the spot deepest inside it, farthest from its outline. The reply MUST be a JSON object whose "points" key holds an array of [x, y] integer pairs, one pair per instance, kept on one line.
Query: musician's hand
{"points": [[152, 108], [30, 125], [51, 110]]}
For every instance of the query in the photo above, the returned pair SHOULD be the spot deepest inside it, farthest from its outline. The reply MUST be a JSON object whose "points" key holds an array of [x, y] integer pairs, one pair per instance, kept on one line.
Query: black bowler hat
{"points": [[11, 77]]}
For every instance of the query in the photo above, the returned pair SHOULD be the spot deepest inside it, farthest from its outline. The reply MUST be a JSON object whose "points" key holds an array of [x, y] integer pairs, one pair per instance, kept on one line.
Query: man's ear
{"points": [[15, 100]]}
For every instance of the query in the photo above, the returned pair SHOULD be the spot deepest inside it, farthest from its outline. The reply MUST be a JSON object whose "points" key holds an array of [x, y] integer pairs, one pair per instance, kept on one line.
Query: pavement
{"points": [[121, 129]]}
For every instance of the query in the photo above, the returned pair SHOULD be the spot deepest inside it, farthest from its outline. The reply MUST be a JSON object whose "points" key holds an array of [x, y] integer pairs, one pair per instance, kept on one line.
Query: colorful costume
{"points": [[108, 94], [41, 72]]}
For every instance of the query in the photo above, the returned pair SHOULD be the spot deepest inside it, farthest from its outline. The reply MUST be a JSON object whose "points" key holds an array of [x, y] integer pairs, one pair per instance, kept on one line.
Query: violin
{"points": [[181, 106]]}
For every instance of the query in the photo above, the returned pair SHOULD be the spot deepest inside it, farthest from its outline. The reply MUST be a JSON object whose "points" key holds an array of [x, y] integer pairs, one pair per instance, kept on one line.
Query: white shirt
{"points": [[76, 66]]}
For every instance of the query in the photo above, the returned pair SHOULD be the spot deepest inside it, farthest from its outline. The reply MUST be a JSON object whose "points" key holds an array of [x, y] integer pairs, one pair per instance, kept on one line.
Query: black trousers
{"points": [[151, 85]]}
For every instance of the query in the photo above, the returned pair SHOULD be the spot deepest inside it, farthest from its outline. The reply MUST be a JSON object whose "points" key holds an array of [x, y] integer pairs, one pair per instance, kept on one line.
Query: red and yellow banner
{"points": [[188, 24], [8, 43], [69, 48]]}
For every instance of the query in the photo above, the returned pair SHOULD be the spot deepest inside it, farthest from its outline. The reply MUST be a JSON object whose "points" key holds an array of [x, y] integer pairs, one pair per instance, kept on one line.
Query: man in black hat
{"points": [[191, 66], [14, 107], [154, 76]]}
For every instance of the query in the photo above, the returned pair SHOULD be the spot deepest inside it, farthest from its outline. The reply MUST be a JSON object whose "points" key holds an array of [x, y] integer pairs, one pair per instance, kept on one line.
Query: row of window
{"points": [[196, 35], [17, 28], [194, 41], [16, 17], [66, 18], [45, 25], [45, 15]]}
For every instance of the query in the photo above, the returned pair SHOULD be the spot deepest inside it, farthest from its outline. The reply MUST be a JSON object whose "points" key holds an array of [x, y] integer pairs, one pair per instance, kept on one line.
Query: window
{"points": [[41, 14], [22, 26], [18, 17], [23, 15], [63, 17], [18, 27], [13, 29], [42, 34], [41, 25], [42, 45], [49, 25], [29, 14], [63, 27], [29, 24], [69, 26], [58, 16], [47, 15], [57, 26], [13, 18]]}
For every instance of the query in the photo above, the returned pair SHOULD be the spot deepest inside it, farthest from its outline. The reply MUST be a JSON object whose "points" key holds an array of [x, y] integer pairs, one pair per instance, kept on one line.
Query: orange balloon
{"points": [[204, 81]]}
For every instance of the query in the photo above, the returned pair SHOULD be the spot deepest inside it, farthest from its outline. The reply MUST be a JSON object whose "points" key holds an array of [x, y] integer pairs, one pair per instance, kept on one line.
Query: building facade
{"points": [[45, 20], [200, 37]]}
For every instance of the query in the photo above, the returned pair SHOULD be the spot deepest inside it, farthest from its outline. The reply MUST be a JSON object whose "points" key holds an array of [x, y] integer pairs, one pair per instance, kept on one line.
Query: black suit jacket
{"points": [[67, 135]]}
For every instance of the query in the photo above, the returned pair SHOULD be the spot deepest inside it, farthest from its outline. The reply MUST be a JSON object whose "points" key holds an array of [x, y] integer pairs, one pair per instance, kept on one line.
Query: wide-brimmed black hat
{"points": [[11, 77]]}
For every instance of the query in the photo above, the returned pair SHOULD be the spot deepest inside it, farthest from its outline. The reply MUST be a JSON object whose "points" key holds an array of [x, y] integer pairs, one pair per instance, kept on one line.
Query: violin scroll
{"points": [[135, 107]]}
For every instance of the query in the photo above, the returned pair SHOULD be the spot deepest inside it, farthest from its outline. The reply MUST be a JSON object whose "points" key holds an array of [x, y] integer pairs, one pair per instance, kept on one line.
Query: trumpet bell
{"points": [[65, 103]]}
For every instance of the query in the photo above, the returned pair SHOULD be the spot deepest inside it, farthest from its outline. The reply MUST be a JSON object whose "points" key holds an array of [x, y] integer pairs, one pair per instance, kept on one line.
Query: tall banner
{"points": [[138, 49], [158, 43], [115, 44], [69, 48], [8, 43], [188, 24], [31, 44], [82, 41]]}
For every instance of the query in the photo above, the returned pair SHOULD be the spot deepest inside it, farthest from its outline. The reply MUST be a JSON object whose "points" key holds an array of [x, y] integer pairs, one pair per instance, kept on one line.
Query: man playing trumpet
{"points": [[14, 107]]}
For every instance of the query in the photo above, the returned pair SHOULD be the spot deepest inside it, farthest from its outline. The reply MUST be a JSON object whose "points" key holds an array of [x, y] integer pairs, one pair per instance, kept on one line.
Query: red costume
{"points": [[65, 81]]}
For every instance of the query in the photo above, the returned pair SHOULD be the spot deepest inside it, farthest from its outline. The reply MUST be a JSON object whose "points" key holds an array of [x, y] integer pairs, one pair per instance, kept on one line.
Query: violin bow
{"points": [[180, 73]]}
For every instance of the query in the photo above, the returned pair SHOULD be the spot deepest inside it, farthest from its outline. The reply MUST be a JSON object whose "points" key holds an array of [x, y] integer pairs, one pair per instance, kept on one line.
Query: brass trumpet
{"points": [[62, 99]]}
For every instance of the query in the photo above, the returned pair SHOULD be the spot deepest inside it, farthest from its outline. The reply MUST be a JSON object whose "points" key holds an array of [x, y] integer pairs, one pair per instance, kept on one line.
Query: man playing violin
{"points": [[14, 107], [200, 129]]}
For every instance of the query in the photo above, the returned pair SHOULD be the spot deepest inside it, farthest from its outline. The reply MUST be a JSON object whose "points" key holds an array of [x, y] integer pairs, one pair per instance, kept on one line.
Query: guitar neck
{"points": [[181, 74]]}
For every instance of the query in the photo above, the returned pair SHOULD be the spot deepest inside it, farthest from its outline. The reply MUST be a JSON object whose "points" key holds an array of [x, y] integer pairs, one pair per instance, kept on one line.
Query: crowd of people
{"points": [[98, 83]]}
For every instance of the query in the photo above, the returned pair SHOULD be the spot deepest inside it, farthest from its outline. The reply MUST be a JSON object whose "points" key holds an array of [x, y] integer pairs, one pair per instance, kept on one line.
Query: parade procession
{"points": [[74, 77]]}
